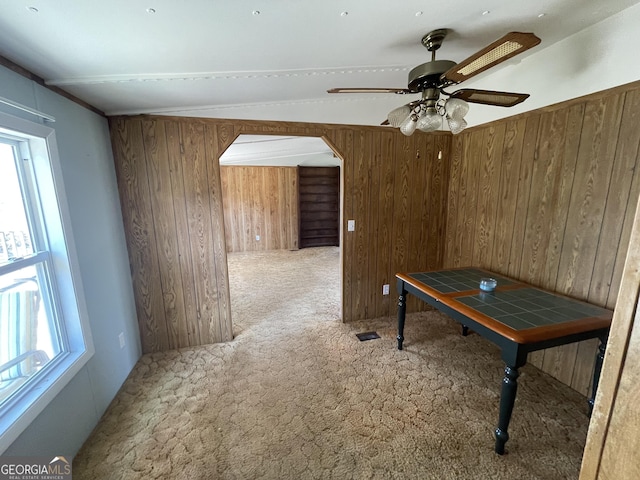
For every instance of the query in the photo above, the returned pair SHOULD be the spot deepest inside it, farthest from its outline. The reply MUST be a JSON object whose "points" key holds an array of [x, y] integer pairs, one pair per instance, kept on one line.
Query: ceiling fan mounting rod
{"points": [[432, 41], [430, 96]]}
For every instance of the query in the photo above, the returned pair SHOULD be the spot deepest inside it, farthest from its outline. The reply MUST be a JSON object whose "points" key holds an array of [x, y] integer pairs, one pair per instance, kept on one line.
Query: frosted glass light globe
{"points": [[409, 125], [456, 124], [398, 115], [429, 122], [456, 108]]}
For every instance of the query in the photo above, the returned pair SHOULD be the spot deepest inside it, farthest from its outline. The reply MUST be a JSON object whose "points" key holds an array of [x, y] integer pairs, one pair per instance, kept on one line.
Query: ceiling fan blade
{"points": [[490, 97], [513, 43], [400, 91]]}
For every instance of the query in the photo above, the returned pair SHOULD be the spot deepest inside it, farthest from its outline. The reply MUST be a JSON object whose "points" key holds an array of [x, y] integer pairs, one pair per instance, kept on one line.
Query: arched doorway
{"points": [[277, 200]]}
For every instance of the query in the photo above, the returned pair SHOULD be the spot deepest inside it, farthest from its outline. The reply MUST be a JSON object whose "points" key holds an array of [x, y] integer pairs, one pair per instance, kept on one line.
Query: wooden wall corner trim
{"points": [[617, 347]]}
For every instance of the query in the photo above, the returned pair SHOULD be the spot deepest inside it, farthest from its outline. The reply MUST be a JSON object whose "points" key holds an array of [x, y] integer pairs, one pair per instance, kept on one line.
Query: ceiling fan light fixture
{"points": [[398, 115], [430, 121], [456, 125], [456, 108], [409, 125]]}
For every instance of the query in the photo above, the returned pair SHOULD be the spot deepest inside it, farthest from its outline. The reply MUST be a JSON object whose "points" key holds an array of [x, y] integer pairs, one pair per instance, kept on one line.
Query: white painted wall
{"points": [[90, 183]]}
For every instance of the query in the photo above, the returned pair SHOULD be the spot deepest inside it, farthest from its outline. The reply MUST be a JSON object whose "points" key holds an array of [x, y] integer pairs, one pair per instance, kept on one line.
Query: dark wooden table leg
{"points": [[507, 399], [596, 372], [514, 358], [402, 310]]}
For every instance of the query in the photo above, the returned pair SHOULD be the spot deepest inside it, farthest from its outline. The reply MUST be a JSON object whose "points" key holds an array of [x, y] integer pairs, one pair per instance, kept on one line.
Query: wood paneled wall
{"points": [[169, 184], [260, 201], [611, 451], [394, 187], [549, 198]]}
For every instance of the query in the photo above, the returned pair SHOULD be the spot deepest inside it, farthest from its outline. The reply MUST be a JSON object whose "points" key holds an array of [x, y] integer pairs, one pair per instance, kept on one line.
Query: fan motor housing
{"points": [[428, 74]]}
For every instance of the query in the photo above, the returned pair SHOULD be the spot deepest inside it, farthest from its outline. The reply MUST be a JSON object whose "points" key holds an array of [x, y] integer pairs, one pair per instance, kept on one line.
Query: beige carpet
{"points": [[297, 396]]}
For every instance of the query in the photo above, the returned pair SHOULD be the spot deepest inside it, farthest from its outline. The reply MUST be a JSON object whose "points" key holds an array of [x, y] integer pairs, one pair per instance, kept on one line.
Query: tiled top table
{"points": [[517, 317]]}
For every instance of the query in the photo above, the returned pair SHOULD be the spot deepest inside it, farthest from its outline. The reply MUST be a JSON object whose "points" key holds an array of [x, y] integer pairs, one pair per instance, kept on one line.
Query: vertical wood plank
{"points": [[630, 212], [128, 148], [592, 176], [545, 178], [529, 154], [438, 214], [293, 208], [506, 208], [619, 197], [222, 320], [424, 229], [161, 197], [418, 196], [272, 214], [473, 160], [375, 294], [253, 193], [360, 206], [419, 186], [560, 362], [175, 156], [562, 195], [288, 205], [488, 192], [405, 152], [454, 208], [229, 220], [385, 220], [612, 441], [200, 231], [245, 208], [348, 248]]}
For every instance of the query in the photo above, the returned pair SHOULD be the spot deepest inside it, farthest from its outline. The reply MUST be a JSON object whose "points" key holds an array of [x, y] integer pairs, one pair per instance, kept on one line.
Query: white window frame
{"points": [[16, 416]]}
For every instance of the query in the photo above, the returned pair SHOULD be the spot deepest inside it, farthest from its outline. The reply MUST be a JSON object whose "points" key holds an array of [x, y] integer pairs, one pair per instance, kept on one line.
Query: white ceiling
{"points": [[271, 150], [215, 58]]}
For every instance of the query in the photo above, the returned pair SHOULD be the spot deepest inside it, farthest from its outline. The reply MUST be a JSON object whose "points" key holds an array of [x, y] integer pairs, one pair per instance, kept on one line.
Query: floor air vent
{"points": [[367, 336]]}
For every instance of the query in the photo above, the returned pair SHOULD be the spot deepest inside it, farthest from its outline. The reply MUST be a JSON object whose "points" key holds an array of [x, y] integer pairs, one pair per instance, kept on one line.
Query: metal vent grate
{"points": [[367, 336]]}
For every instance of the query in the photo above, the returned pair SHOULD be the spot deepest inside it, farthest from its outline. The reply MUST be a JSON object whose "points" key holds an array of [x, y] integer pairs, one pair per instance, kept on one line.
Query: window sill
{"points": [[19, 414]]}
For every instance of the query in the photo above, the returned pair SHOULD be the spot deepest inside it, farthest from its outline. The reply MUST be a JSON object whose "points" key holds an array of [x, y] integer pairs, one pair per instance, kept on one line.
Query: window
{"points": [[44, 335]]}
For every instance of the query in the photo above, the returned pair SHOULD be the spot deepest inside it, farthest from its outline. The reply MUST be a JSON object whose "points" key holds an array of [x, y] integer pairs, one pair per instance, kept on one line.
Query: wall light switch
{"points": [[385, 289], [351, 225], [121, 339]]}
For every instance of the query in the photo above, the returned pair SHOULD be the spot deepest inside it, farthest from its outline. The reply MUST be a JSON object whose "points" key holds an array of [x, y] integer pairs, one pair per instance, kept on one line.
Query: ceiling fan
{"points": [[431, 78]]}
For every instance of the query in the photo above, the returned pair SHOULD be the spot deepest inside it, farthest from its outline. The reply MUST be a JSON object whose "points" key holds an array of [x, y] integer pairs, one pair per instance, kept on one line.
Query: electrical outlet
{"points": [[257, 238], [121, 339], [351, 225], [385, 289]]}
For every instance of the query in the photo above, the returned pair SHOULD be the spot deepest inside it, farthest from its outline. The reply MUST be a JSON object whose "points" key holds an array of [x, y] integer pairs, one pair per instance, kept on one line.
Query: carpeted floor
{"points": [[296, 396]]}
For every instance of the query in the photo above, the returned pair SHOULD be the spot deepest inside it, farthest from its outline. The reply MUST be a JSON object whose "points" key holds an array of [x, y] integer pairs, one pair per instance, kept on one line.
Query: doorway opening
{"points": [[282, 202]]}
